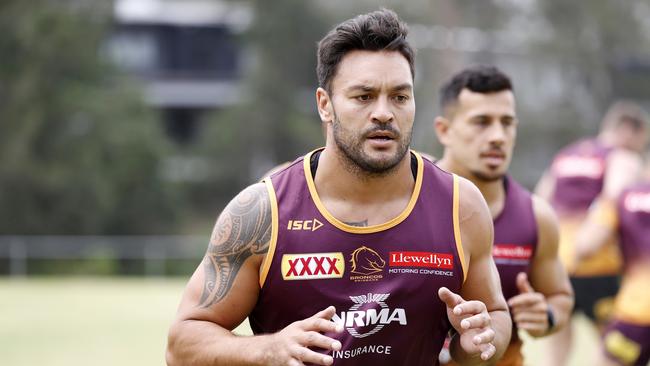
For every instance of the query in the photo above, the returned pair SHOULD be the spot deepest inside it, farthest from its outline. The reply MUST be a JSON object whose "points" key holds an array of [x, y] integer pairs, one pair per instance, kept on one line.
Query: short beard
{"points": [[487, 178], [356, 161]]}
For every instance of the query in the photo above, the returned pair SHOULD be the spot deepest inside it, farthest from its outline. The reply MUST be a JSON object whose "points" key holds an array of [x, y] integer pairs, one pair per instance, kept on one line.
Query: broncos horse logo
{"points": [[366, 261]]}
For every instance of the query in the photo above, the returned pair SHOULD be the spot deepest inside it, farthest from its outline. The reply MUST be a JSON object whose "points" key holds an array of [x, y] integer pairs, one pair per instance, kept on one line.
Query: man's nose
{"points": [[382, 111]]}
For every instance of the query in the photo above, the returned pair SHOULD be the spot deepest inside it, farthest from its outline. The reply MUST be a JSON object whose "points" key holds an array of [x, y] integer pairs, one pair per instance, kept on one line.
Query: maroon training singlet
{"points": [[515, 236], [579, 171], [382, 279], [515, 239], [634, 224]]}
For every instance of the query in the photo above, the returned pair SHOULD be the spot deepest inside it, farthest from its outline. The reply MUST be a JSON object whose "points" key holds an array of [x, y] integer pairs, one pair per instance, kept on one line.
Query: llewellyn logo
{"points": [[312, 266], [512, 251], [355, 320], [366, 265], [306, 225], [421, 259]]}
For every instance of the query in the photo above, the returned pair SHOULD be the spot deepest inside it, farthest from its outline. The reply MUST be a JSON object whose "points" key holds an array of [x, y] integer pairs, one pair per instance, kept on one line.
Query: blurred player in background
{"points": [[359, 253], [478, 129], [626, 340], [588, 171]]}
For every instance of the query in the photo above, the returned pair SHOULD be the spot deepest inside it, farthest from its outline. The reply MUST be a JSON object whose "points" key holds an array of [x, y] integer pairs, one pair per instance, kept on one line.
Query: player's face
{"points": [[373, 109], [633, 139], [481, 134]]}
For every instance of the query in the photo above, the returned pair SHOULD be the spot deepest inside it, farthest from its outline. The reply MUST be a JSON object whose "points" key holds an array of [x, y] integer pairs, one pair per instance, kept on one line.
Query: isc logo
{"points": [[309, 225], [312, 266]]}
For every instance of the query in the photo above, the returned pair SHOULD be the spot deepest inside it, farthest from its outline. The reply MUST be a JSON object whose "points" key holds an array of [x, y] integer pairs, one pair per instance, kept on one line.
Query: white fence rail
{"points": [[153, 250]]}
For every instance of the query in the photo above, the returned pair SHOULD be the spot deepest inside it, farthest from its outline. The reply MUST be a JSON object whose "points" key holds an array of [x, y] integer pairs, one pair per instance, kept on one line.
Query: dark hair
{"points": [[479, 79], [377, 31], [625, 113]]}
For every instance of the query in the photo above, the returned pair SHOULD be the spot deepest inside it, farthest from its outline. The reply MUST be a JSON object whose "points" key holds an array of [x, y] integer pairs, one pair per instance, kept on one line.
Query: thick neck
{"points": [[493, 191], [336, 180]]}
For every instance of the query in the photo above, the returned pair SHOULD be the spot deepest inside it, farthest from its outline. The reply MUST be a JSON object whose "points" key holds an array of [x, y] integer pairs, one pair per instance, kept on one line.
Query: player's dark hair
{"points": [[625, 113], [478, 79], [380, 30]]}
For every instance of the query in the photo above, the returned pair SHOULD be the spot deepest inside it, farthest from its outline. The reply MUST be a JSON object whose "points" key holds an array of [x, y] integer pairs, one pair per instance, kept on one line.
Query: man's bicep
{"points": [[477, 234], [623, 168], [548, 275], [225, 286], [545, 186]]}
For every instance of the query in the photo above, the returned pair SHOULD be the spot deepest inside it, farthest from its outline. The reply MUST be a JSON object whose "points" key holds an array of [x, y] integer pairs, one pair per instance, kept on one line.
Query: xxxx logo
{"points": [[312, 266]]}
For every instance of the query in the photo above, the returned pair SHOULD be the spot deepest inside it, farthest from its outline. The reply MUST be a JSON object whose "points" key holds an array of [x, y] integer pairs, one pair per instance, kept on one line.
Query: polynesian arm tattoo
{"points": [[242, 230]]}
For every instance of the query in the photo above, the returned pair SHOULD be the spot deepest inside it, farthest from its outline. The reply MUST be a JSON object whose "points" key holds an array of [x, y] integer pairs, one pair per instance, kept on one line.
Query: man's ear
{"points": [[324, 104], [441, 126]]}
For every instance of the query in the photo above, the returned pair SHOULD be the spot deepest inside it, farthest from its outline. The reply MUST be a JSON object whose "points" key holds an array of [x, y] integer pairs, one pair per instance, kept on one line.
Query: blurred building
{"points": [[186, 53]]}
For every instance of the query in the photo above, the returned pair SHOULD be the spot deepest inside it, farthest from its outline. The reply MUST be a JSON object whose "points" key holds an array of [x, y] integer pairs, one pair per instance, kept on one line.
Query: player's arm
{"points": [[479, 313], [624, 168], [223, 291], [549, 289], [600, 227], [545, 186]]}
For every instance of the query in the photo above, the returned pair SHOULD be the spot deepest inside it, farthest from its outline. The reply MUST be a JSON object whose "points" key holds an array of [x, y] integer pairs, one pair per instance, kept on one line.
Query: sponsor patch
{"points": [[423, 263], [637, 202], [369, 315], [421, 259], [512, 252], [304, 225], [578, 166], [366, 265], [312, 266]]}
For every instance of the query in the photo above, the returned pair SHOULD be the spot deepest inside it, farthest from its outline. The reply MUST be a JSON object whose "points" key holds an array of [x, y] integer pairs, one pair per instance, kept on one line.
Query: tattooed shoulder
{"points": [[242, 230]]}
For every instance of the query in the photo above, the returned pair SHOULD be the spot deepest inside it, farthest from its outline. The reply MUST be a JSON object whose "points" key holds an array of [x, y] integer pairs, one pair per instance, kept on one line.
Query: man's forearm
{"points": [[561, 305], [502, 326], [194, 342]]}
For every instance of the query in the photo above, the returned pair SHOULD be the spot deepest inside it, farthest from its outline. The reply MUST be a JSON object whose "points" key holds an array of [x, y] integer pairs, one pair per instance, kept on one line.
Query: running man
{"points": [[626, 340], [478, 128], [581, 174], [360, 253]]}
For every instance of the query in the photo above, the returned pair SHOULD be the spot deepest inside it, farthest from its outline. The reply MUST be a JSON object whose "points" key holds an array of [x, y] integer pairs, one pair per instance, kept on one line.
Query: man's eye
{"points": [[364, 97]]}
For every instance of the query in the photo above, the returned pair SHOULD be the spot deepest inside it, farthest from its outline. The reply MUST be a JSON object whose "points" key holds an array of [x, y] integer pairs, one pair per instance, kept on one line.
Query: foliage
{"points": [[79, 152]]}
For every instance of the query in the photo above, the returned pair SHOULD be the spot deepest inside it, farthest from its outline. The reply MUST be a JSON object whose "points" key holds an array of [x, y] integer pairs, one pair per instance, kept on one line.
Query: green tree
{"points": [[79, 152], [277, 120]]}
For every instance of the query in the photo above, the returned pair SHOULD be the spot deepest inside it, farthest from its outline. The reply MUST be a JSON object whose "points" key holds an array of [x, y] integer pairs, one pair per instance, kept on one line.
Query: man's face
{"points": [[372, 109], [632, 138], [480, 134]]}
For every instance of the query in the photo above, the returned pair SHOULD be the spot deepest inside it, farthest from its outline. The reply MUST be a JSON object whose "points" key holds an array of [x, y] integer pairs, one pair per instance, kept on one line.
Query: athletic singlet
{"points": [[515, 240], [515, 236], [632, 218], [382, 279], [579, 171]]}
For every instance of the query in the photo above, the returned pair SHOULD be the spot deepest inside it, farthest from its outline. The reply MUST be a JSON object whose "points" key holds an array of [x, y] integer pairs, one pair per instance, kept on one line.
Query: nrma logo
{"points": [[370, 319]]}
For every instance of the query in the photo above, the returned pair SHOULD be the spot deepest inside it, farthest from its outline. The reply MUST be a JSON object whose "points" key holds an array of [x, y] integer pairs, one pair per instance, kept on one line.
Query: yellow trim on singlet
{"points": [[367, 229], [456, 218], [268, 258]]}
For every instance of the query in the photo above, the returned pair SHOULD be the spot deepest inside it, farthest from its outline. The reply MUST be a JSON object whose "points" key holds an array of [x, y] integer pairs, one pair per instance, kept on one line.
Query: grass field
{"points": [[109, 321]]}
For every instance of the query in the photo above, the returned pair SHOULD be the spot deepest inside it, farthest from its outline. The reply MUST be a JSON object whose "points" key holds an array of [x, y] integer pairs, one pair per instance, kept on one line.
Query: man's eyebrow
{"points": [[366, 88], [359, 87], [403, 87]]}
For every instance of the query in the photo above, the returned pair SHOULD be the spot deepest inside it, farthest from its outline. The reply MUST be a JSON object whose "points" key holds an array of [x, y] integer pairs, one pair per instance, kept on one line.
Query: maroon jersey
{"points": [[382, 279], [634, 224], [579, 171], [633, 211], [515, 236]]}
